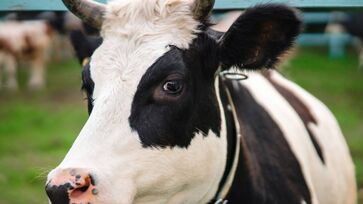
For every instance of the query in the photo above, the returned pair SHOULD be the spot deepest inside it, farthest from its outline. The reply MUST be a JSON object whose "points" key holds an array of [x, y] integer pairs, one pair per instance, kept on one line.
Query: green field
{"points": [[37, 128]]}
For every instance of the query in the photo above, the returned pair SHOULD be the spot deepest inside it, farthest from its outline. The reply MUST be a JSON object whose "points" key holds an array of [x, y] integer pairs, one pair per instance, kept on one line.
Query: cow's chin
{"points": [[154, 175]]}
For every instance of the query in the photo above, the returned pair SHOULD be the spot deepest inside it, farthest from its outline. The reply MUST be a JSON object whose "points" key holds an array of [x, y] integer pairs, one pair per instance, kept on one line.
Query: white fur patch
{"points": [[147, 21]]}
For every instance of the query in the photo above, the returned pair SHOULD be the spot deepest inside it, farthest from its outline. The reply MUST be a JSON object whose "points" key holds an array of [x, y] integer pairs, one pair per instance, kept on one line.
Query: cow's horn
{"points": [[202, 8], [89, 11]]}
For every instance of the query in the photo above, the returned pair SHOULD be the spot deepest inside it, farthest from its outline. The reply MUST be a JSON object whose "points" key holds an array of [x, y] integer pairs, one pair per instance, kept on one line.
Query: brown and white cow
{"points": [[24, 41], [171, 123]]}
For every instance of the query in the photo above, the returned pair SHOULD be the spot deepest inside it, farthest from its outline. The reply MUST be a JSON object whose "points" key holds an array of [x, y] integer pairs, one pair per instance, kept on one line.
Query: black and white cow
{"points": [[169, 125]]}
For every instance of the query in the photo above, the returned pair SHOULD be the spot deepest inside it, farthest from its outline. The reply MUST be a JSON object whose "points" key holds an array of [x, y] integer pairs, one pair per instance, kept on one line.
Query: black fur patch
{"points": [[83, 44], [259, 36], [301, 109], [173, 123], [216, 35], [354, 24], [268, 171], [58, 194], [88, 86]]}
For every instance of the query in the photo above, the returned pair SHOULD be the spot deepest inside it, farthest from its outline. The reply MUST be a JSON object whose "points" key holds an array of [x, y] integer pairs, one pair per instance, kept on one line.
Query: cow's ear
{"points": [[259, 36]]}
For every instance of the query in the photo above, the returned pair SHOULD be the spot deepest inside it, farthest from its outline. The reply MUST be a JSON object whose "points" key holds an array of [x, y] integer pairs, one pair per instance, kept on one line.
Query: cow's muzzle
{"points": [[71, 186]]}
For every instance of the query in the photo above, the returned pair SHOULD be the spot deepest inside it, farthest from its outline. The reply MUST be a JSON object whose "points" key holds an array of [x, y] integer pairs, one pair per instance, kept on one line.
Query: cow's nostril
{"points": [[84, 189], [71, 186], [78, 191]]}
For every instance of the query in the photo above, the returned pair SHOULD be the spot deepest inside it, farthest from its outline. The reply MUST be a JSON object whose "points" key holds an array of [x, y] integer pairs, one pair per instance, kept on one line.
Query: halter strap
{"points": [[229, 173]]}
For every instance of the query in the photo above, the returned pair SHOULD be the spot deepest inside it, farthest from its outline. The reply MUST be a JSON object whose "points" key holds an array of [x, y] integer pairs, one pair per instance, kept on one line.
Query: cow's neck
{"points": [[268, 171]]}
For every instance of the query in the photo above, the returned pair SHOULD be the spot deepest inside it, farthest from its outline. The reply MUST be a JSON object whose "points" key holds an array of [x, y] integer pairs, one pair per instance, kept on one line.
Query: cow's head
{"points": [[156, 132]]}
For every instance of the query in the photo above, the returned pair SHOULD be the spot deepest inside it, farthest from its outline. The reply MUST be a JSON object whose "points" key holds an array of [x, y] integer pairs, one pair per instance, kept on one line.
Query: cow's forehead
{"points": [[169, 21], [136, 33]]}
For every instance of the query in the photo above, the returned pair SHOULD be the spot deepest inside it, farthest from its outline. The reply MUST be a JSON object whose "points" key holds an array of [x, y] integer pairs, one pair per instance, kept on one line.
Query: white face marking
{"points": [[136, 33]]}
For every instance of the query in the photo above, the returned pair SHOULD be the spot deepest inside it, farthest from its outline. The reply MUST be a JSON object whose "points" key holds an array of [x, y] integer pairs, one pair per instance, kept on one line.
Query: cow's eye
{"points": [[173, 87]]}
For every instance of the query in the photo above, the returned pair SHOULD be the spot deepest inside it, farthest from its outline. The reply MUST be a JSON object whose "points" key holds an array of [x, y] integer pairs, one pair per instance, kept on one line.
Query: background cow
{"points": [[164, 116], [354, 26], [25, 41], [84, 45], [39, 36]]}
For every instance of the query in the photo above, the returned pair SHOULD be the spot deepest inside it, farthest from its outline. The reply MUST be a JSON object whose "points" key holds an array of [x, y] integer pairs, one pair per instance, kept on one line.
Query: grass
{"points": [[37, 128]]}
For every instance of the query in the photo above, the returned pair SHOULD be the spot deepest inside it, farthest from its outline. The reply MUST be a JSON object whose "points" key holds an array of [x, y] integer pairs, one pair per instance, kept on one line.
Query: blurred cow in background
{"points": [[35, 37], [352, 24], [84, 45], [25, 41]]}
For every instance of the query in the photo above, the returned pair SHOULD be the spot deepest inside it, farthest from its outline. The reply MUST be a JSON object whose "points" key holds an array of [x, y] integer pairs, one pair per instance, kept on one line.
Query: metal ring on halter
{"points": [[221, 201], [234, 75]]}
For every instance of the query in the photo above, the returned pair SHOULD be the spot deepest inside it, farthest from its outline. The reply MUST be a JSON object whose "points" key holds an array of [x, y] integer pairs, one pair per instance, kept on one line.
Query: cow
{"points": [[84, 45], [42, 33], [181, 113], [26, 41], [352, 24]]}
